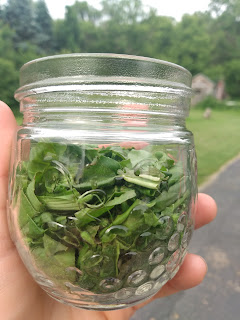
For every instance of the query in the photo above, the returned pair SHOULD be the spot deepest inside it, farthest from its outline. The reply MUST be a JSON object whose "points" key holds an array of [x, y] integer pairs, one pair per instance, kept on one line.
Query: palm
{"points": [[31, 302], [21, 298]]}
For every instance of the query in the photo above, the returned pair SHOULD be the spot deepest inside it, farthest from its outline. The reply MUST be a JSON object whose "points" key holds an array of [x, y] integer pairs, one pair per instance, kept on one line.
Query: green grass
{"points": [[217, 139]]}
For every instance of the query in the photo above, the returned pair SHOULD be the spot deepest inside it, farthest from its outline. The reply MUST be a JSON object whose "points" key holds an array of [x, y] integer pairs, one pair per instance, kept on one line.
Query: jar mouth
{"points": [[79, 72]]}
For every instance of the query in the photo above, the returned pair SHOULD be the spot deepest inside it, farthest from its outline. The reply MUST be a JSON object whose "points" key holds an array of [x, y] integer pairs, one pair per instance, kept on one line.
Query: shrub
{"points": [[232, 78], [213, 103], [8, 81]]}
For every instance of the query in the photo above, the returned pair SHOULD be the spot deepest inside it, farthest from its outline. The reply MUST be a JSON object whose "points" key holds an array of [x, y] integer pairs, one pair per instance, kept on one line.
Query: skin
{"points": [[22, 299]]}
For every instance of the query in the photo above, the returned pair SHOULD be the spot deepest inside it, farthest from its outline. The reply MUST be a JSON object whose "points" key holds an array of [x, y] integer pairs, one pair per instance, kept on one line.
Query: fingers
{"points": [[8, 127], [194, 267], [191, 274], [206, 210]]}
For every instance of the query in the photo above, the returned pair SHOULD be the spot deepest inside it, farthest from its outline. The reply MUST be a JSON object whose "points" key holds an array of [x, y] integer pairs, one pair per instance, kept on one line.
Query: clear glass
{"points": [[102, 187]]}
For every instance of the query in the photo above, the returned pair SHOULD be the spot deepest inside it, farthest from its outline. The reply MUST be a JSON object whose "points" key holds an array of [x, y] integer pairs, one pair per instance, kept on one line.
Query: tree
{"points": [[121, 29], [203, 42], [232, 77], [193, 43], [44, 26], [78, 31], [19, 16], [157, 38], [123, 11], [86, 13], [226, 30], [1, 12], [7, 36], [71, 30], [8, 81], [231, 7]]}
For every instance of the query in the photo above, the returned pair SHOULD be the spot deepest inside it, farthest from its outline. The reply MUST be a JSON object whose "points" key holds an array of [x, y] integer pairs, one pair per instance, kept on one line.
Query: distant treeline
{"points": [[206, 42]]}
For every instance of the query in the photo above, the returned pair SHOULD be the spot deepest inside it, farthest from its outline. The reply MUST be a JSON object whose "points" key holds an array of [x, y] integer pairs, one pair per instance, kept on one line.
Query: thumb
{"points": [[8, 128]]}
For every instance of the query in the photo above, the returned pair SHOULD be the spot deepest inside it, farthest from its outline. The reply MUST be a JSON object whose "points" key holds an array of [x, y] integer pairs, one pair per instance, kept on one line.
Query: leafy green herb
{"points": [[98, 209]]}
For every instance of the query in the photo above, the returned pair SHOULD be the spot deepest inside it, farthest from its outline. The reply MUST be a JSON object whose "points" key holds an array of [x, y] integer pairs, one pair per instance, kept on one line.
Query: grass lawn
{"points": [[217, 139]]}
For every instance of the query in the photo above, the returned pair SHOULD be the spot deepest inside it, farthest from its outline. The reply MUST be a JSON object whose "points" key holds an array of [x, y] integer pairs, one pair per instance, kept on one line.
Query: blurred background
{"points": [[202, 36], [206, 42]]}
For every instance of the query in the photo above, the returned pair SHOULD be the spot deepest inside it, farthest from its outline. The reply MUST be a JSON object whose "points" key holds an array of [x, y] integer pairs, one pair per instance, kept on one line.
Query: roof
{"points": [[204, 76]]}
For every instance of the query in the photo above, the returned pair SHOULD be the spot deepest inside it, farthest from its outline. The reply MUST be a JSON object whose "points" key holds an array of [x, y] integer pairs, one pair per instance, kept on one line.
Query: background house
{"points": [[204, 87]]}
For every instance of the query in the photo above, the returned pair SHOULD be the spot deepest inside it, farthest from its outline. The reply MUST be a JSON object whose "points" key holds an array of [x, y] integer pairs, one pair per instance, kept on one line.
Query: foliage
{"points": [[95, 205], [78, 32], [220, 7], [19, 16], [232, 76], [124, 11], [193, 43], [44, 27], [214, 72], [202, 42], [8, 80], [6, 42], [211, 102]]}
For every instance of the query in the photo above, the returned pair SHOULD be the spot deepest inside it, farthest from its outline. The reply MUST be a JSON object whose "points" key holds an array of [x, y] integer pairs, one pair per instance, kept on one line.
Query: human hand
{"points": [[22, 299]]}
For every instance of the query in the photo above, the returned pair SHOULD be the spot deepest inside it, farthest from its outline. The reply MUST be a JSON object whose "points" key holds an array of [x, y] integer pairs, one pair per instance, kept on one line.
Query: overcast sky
{"points": [[174, 8]]}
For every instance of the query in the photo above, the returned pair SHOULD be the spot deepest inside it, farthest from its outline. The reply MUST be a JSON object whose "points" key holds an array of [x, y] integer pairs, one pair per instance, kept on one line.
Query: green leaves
{"points": [[176, 173], [138, 157], [26, 210], [56, 266], [37, 205], [166, 198], [141, 180], [86, 207], [127, 195], [122, 217], [100, 172], [66, 201], [52, 246], [41, 156]]}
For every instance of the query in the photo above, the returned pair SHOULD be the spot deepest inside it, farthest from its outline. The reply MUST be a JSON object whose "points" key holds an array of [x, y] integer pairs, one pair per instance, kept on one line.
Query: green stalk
{"points": [[150, 184]]}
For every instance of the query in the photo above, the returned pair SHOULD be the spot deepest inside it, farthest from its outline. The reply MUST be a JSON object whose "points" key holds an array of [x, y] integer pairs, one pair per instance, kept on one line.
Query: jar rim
{"points": [[66, 70], [106, 55]]}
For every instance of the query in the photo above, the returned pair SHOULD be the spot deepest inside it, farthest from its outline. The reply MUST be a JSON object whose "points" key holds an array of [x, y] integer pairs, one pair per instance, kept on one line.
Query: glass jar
{"points": [[103, 179]]}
